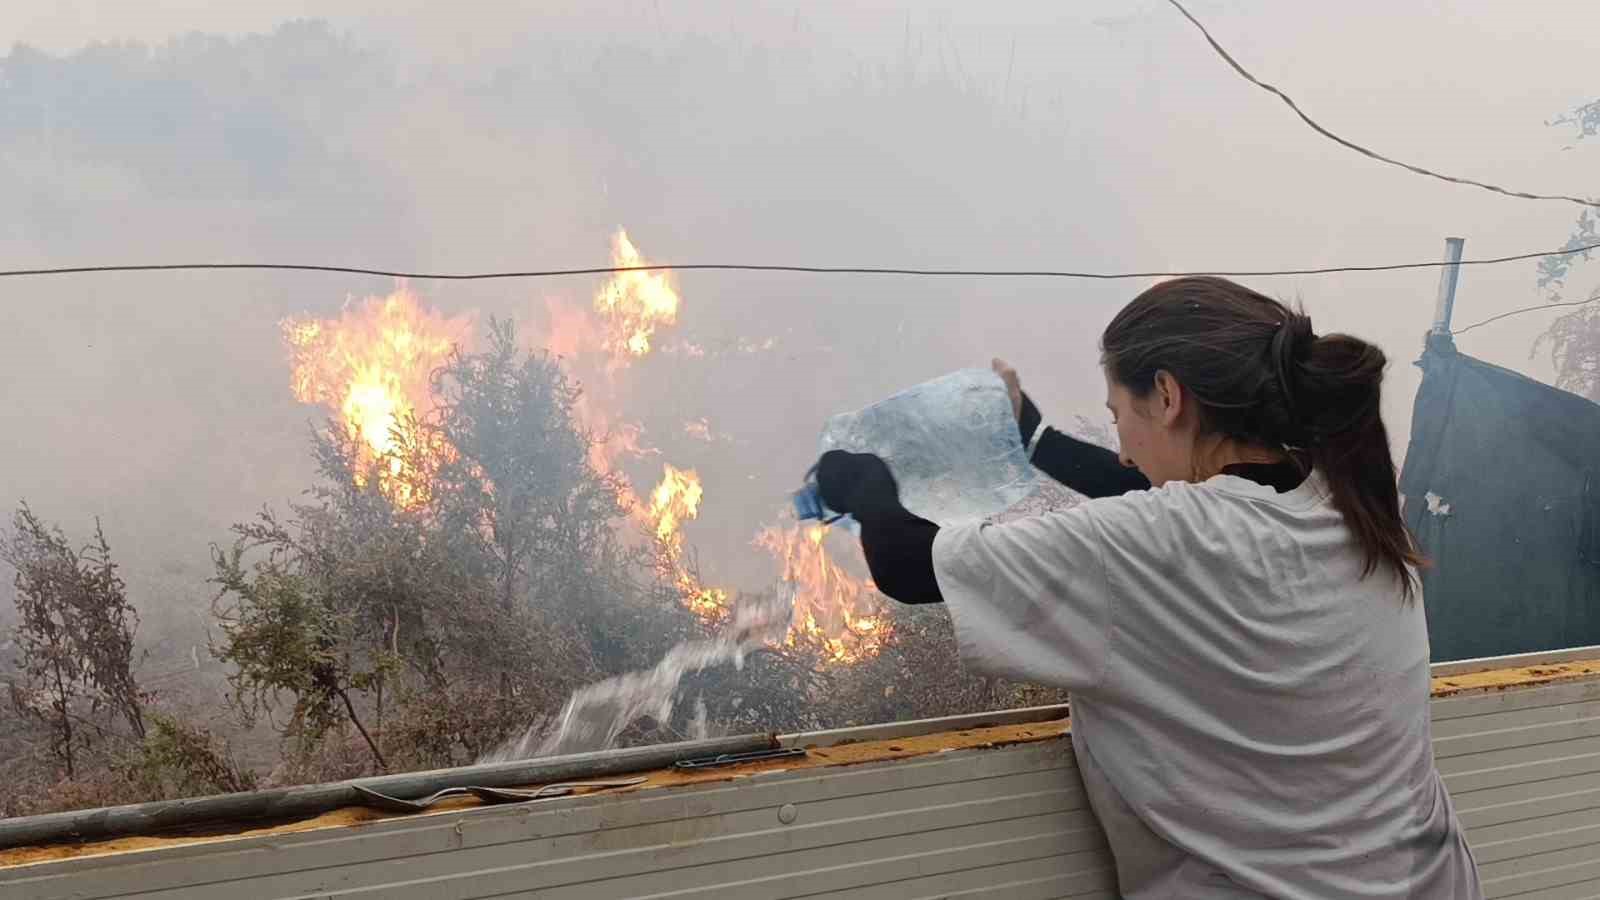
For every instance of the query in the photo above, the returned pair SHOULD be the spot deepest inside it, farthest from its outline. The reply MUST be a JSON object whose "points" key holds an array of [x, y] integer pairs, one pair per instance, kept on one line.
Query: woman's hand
{"points": [[857, 484], [1013, 385]]}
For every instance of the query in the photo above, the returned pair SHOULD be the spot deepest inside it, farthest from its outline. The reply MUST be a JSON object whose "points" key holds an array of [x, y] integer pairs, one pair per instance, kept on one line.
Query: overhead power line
{"points": [[755, 267], [1525, 309], [1245, 74]]}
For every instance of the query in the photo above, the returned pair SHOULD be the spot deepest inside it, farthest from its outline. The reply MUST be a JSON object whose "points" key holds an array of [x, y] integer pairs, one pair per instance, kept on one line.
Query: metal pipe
{"points": [[310, 800], [1444, 307]]}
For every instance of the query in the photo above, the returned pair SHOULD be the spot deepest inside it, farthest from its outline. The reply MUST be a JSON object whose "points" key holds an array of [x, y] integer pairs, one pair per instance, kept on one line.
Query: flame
{"points": [[839, 615], [628, 311], [633, 304], [834, 612], [371, 365], [675, 499]]}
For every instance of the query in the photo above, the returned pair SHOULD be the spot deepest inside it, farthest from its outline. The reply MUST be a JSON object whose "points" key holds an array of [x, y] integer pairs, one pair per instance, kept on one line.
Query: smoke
{"points": [[408, 136]]}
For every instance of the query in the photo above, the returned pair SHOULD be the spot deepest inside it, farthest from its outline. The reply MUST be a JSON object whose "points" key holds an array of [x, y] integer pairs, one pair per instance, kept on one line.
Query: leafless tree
{"points": [[74, 636]]}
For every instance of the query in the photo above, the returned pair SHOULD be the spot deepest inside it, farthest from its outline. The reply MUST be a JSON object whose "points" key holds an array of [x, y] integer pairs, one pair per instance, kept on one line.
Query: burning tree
{"points": [[515, 480], [439, 591], [74, 635], [379, 617]]}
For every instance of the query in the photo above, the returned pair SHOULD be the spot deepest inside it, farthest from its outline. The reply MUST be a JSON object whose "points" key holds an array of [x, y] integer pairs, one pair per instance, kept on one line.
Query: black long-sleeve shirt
{"points": [[1090, 470]]}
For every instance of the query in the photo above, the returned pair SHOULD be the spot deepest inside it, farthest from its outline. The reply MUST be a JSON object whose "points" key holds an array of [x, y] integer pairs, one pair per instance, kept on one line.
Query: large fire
{"points": [[371, 366], [839, 615]]}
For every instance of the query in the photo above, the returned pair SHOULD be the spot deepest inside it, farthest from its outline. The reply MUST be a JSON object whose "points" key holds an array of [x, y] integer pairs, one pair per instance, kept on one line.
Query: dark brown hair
{"points": [[1261, 376]]}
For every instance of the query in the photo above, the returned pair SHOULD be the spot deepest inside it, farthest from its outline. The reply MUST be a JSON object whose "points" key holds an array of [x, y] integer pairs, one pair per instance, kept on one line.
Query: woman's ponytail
{"points": [[1334, 392], [1262, 376]]}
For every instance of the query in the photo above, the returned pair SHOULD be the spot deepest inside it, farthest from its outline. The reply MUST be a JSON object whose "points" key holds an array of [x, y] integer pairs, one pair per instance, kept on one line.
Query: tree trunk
{"points": [[380, 710], [136, 718], [66, 720], [506, 595], [356, 721]]}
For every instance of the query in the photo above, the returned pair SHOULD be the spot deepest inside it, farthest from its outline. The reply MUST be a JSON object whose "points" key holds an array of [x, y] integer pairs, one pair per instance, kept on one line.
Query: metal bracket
{"points": [[376, 800], [734, 759]]}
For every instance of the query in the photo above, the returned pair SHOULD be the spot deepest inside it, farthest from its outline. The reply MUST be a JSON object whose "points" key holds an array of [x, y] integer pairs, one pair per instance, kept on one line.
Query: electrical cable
{"points": [[1245, 74], [750, 267], [1525, 309]]}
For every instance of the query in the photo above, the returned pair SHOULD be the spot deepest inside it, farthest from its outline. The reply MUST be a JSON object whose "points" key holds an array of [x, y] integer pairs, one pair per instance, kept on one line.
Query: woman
{"points": [[1244, 641]]}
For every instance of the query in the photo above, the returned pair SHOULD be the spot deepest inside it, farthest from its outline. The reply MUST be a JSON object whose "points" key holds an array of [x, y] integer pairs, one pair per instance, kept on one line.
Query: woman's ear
{"points": [[1169, 394]]}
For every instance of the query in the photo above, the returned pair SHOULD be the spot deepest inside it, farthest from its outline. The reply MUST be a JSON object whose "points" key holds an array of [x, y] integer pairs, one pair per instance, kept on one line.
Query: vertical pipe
{"points": [[1448, 276]]}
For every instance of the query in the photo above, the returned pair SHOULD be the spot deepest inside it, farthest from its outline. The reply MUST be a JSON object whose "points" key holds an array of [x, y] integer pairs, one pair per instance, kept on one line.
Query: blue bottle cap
{"points": [[808, 504]]}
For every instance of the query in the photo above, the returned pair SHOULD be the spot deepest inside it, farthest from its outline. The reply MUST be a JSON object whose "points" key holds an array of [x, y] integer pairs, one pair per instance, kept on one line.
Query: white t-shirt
{"points": [[1250, 715]]}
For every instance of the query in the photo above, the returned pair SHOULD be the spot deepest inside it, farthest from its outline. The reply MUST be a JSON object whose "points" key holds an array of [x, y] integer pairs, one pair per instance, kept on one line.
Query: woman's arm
{"points": [[899, 555], [1090, 470], [898, 544]]}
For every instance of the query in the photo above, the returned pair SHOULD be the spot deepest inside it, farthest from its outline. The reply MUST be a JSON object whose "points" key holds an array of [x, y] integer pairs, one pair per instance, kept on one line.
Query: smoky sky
{"points": [[1097, 135]]}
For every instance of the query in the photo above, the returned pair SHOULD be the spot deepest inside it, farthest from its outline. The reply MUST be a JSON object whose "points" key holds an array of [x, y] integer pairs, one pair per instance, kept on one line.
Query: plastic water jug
{"points": [[951, 443]]}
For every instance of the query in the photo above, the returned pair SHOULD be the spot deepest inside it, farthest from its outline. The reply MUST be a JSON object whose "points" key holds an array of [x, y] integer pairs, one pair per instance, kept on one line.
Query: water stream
{"points": [[594, 716]]}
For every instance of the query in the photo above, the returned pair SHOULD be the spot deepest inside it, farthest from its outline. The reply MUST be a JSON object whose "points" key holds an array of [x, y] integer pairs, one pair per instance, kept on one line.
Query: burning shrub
{"points": [[469, 589]]}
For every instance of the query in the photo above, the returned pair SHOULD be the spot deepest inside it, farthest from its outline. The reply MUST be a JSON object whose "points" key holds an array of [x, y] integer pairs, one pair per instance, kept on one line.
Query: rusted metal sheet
{"points": [[985, 806]]}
